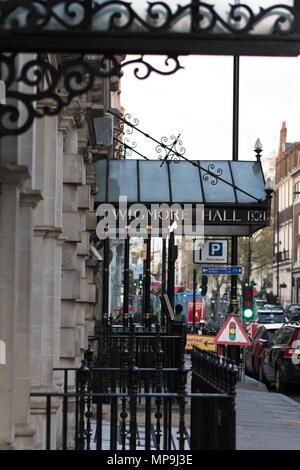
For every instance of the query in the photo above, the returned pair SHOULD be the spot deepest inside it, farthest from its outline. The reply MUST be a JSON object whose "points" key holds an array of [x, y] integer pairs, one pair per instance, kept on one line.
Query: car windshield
{"points": [[270, 317], [294, 308], [274, 308], [259, 303]]}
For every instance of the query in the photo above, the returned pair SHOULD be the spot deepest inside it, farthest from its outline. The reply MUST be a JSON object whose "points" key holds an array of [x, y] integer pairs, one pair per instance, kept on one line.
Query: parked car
{"points": [[280, 362], [254, 352], [271, 314], [259, 303], [293, 312]]}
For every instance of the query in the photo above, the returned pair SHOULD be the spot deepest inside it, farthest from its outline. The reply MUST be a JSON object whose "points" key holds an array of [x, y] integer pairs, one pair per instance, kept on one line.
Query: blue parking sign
{"points": [[215, 249], [211, 251]]}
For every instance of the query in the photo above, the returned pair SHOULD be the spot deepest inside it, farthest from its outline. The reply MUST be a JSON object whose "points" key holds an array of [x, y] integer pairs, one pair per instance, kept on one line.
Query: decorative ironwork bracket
{"points": [[158, 27], [38, 82], [168, 149], [113, 27]]}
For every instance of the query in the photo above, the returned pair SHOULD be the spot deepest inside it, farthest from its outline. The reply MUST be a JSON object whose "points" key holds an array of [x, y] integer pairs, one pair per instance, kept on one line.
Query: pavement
{"points": [[264, 420]]}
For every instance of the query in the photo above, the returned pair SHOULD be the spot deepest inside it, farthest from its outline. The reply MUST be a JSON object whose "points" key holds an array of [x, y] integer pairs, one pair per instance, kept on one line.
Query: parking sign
{"points": [[212, 252]]}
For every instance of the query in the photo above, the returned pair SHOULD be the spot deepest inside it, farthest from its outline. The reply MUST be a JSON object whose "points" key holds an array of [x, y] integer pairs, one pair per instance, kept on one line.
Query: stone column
{"points": [[9, 230], [15, 272], [24, 430], [46, 283]]}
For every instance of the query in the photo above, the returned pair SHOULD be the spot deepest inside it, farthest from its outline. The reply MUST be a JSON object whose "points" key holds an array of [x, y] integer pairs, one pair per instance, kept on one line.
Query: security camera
{"points": [[96, 253]]}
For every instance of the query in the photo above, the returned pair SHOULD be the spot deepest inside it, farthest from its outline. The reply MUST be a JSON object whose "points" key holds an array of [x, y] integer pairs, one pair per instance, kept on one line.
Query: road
{"points": [[293, 393]]}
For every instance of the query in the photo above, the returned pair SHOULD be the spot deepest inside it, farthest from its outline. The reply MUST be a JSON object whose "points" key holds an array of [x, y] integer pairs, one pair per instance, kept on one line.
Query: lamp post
{"points": [[276, 211], [269, 190], [172, 256]]}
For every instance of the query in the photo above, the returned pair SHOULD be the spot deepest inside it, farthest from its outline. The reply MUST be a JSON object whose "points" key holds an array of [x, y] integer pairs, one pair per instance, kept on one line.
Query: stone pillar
{"points": [[24, 430], [46, 282], [74, 191], [16, 207], [9, 227]]}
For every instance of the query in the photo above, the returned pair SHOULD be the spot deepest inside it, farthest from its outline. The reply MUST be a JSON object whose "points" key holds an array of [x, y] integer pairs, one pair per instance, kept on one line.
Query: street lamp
{"points": [[258, 149], [269, 187]]}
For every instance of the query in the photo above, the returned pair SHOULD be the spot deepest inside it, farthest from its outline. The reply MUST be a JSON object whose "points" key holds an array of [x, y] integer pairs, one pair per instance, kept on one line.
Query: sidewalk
{"points": [[264, 420]]}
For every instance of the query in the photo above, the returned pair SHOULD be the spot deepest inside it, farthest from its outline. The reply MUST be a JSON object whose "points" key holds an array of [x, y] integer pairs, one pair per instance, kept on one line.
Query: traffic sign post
{"points": [[226, 270], [212, 251], [232, 333], [206, 343], [248, 304]]}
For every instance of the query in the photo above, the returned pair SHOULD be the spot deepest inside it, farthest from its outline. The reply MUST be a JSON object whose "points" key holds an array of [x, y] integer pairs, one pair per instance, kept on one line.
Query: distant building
{"points": [[286, 266]]}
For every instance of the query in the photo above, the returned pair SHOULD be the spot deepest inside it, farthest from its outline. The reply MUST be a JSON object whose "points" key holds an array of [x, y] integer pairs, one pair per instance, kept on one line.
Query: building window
{"points": [[298, 254], [290, 192], [280, 198], [297, 190]]}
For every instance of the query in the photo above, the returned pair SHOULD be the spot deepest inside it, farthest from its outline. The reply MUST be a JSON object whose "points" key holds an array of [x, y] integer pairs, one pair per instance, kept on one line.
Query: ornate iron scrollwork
{"points": [[173, 149], [242, 19], [168, 149], [213, 174], [54, 88], [81, 26], [124, 149], [121, 16], [131, 123]]}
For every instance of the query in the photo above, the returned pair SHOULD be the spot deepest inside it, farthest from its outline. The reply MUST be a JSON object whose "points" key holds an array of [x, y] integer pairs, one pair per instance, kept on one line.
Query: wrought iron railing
{"points": [[121, 415], [213, 374], [158, 427]]}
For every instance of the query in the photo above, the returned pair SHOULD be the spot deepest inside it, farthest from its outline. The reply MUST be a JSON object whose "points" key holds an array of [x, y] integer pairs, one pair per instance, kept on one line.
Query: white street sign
{"points": [[212, 252]]}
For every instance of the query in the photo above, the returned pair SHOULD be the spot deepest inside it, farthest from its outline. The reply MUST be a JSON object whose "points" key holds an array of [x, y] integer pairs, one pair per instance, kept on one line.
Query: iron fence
{"points": [[213, 374], [111, 408], [117, 423]]}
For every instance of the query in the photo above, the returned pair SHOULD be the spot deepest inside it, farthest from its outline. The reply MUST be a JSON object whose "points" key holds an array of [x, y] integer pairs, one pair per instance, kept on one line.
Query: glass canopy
{"points": [[207, 181]]}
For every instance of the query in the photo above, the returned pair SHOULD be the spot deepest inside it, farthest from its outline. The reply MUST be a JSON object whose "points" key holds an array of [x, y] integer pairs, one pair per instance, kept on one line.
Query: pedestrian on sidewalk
{"points": [[179, 323]]}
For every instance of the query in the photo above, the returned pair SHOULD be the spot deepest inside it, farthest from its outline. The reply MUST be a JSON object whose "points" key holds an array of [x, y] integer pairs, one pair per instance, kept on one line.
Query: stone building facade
{"points": [[286, 266], [47, 282]]}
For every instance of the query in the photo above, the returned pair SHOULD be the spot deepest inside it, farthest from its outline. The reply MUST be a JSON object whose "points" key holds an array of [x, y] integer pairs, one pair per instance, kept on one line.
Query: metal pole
{"points": [[163, 277], [126, 282], [171, 269], [163, 269], [105, 280], [236, 98], [235, 157], [194, 299], [249, 259], [234, 351], [147, 281]]}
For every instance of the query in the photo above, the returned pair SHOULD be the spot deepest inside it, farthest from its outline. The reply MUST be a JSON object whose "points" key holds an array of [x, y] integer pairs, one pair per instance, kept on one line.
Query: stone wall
{"points": [[47, 282]]}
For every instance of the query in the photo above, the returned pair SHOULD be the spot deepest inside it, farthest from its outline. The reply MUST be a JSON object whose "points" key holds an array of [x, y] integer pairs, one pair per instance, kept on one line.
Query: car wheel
{"points": [[280, 386]]}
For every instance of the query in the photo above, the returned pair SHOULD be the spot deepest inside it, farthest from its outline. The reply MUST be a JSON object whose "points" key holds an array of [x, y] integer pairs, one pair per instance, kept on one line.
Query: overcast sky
{"points": [[197, 102]]}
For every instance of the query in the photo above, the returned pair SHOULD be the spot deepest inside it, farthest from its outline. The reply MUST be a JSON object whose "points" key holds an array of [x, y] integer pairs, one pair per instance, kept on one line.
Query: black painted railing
{"points": [[213, 374], [130, 407]]}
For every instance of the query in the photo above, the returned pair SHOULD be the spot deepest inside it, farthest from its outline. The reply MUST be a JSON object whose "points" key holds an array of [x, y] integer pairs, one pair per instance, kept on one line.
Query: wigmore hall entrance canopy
{"points": [[235, 198]]}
